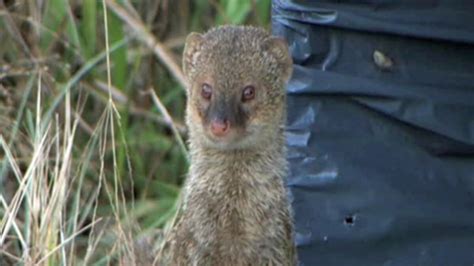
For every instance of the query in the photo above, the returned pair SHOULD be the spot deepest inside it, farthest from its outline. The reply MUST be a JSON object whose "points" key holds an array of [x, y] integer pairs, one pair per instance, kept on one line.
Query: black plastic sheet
{"points": [[381, 130]]}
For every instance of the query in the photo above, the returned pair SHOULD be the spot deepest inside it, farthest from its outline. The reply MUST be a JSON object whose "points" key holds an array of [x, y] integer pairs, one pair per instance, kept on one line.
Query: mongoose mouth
{"points": [[221, 135], [231, 138]]}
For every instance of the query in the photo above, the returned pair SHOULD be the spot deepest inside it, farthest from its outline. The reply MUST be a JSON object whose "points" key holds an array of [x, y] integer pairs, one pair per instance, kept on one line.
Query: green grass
{"points": [[87, 167]]}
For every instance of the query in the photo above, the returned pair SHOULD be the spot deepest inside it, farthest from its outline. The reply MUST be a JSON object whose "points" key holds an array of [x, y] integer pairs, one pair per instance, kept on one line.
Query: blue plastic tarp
{"points": [[381, 130]]}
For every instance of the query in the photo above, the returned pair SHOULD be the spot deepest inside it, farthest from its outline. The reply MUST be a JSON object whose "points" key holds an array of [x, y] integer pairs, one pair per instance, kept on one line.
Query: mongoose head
{"points": [[236, 95]]}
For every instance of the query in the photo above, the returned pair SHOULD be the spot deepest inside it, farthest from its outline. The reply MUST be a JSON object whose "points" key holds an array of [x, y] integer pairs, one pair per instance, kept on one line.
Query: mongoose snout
{"points": [[220, 127]]}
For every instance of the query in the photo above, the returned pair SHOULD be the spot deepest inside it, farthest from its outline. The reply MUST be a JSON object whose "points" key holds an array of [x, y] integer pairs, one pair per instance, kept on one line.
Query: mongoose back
{"points": [[235, 209]]}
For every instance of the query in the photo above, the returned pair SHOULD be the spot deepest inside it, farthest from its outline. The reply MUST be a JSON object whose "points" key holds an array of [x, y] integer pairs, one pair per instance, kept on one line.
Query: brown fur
{"points": [[235, 209]]}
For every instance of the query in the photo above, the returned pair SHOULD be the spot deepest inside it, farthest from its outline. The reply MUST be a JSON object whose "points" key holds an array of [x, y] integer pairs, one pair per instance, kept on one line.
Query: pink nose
{"points": [[220, 128]]}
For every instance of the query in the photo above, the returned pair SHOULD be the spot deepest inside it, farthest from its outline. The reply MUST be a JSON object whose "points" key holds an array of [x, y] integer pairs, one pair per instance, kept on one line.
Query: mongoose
{"points": [[235, 208]]}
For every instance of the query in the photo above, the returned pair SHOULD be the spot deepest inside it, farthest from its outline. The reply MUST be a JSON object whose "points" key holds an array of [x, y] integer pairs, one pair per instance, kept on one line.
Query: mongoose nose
{"points": [[220, 128]]}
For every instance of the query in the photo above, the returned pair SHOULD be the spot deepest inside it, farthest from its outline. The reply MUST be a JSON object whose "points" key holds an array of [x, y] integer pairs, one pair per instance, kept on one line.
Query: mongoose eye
{"points": [[248, 93], [206, 91]]}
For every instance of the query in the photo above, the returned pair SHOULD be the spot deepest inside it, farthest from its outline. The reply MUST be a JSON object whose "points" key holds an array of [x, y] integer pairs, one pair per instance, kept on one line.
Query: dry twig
{"points": [[169, 120], [158, 48]]}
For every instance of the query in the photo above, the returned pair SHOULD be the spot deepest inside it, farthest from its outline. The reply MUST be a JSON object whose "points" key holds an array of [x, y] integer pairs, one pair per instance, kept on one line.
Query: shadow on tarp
{"points": [[381, 130]]}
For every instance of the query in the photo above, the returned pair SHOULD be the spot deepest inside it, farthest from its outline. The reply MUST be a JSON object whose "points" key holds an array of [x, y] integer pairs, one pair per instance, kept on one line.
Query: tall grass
{"points": [[91, 123]]}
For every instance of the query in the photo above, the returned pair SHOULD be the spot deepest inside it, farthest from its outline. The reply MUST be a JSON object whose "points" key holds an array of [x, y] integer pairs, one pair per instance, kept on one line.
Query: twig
{"points": [[158, 48], [122, 99], [169, 120], [83, 124], [116, 94], [150, 115]]}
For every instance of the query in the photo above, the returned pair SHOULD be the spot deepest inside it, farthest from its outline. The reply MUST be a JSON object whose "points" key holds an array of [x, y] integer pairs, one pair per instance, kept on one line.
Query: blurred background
{"points": [[89, 164]]}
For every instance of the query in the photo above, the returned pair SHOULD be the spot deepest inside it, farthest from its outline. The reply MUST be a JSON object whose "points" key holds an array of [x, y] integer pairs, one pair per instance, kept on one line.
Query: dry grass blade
{"points": [[67, 240], [22, 190], [117, 197], [168, 120], [15, 226], [121, 100], [88, 66], [158, 48], [14, 32]]}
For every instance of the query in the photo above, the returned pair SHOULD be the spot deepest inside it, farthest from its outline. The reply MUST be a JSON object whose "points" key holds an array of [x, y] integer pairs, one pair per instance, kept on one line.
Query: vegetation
{"points": [[91, 122]]}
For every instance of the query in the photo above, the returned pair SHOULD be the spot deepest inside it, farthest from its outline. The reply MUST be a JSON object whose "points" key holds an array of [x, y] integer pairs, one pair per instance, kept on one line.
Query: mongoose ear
{"points": [[193, 46], [278, 47]]}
